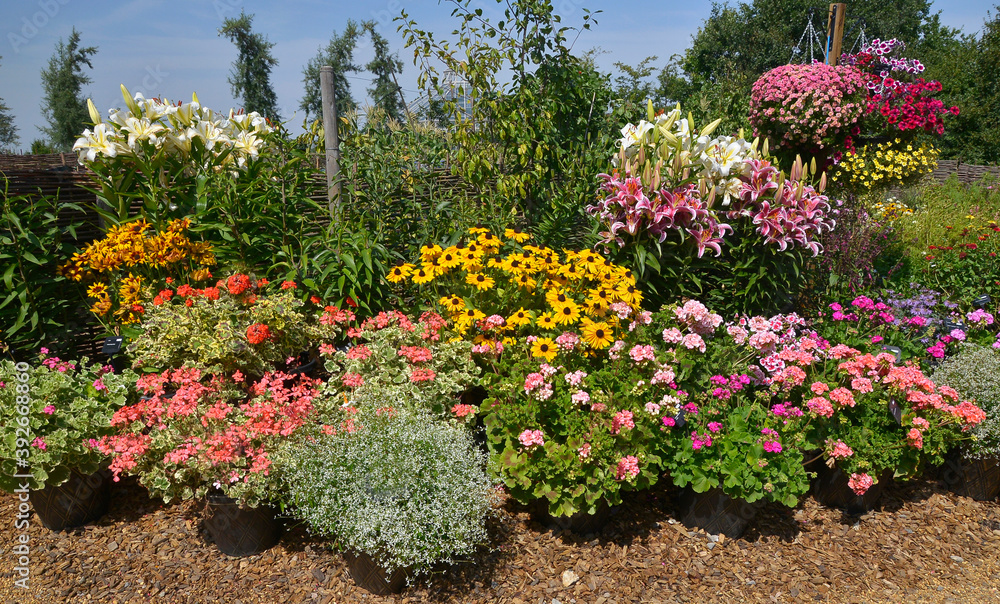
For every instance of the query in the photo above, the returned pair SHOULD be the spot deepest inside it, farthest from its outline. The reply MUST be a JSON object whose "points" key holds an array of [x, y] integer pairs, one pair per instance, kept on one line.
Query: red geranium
{"points": [[238, 284], [257, 333]]}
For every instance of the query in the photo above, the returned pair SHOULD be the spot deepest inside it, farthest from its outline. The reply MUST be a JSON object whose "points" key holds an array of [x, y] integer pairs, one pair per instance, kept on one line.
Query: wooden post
{"points": [[332, 139], [835, 32]]}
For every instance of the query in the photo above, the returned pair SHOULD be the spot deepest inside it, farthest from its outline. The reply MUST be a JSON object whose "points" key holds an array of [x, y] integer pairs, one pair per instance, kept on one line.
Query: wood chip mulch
{"points": [[925, 544]]}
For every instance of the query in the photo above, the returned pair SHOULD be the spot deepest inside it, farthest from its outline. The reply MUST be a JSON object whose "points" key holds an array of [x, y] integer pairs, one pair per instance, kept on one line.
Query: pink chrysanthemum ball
{"points": [[807, 107]]}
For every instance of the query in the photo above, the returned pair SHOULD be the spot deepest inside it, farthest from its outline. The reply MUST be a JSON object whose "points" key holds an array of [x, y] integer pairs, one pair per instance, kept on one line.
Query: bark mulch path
{"points": [[925, 545]]}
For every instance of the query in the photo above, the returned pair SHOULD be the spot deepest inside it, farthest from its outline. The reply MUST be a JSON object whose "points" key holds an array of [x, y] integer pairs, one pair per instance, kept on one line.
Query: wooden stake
{"points": [[332, 139], [835, 32]]}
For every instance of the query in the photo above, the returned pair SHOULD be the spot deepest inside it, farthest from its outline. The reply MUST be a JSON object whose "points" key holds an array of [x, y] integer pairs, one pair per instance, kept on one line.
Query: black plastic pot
{"points": [[79, 500], [370, 576], [715, 512], [241, 531]]}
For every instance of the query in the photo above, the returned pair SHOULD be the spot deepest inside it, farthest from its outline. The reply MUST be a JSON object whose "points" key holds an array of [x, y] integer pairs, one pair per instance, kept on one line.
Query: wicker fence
{"points": [[967, 173]]}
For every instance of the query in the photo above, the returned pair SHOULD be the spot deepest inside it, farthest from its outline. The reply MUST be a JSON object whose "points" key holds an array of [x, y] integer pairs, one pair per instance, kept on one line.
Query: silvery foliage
{"points": [[409, 491], [975, 373]]}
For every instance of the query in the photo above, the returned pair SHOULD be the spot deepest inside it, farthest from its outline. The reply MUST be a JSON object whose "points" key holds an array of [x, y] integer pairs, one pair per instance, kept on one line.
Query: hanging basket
{"points": [[975, 478], [241, 531], [79, 500], [370, 576], [830, 489], [715, 512]]}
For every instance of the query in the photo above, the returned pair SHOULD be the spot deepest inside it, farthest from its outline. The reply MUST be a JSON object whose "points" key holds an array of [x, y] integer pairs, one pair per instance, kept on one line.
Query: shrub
{"points": [[975, 373], [406, 490]]}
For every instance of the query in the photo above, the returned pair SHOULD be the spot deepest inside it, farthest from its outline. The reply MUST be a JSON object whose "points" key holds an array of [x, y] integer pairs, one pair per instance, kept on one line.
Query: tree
{"points": [[339, 54], [250, 78], [633, 84], [736, 45], [63, 104], [8, 131], [385, 91]]}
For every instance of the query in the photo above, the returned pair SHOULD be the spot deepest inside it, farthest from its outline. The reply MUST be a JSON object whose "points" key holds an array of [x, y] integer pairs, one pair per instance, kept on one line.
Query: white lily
{"points": [[94, 143], [142, 129], [208, 132]]}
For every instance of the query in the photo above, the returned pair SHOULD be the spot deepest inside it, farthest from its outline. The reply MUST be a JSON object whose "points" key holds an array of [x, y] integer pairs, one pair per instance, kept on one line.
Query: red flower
{"points": [[157, 301], [288, 285], [262, 282], [257, 333], [314, 299], [350, 302], [184, 291], [189, 302], [238, 284]]}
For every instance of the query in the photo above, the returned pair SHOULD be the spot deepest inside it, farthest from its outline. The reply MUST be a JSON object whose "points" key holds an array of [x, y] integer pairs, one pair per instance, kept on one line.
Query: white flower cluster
{"points": [[720, 161], [148, 126]]}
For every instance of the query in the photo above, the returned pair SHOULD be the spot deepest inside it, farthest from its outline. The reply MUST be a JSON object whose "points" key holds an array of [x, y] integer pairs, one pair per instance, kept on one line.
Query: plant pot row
{"points": [[240, 531]]}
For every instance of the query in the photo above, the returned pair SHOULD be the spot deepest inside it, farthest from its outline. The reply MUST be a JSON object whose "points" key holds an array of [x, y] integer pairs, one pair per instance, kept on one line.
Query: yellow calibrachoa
{"points": [[885, 165], [498, 289]]}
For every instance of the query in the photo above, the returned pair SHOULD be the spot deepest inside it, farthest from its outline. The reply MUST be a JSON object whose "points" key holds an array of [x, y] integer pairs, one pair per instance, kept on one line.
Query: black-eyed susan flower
{"points": [[516, 234], [519, 318], [430, 252], [452, 304], [399, 273], [544, 348], [480, 281], [526, 282], [422, 275], [450, 258], [566, 314], [546, 321], [597, 335]]}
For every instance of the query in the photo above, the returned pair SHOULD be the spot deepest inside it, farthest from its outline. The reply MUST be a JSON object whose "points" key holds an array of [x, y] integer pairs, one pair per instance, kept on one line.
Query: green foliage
{"points": [[40, 147], [405, 360], [967, 67], [975, 373], [35, 310], [250, 77], [385, 92], [948, 239], [48, 418], [339, 54], [396, 485], [63, 104], [532, 142], [8, 131], [221, 331]]}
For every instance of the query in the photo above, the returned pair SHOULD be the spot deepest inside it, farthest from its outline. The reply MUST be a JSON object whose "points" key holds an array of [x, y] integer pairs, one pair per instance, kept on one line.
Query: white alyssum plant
{"points": [[407, 490], [975, 373]]}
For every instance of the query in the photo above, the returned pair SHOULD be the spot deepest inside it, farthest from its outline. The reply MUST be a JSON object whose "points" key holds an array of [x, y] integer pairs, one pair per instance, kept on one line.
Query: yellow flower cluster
{"points": [[130, 246], [890, 210], [525, 290], [885, 165]]}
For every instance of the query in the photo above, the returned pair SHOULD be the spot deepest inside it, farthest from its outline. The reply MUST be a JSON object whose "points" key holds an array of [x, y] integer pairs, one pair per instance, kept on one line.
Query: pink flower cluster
{"points": [[627, 210], [838, 449], [793, 215], [628, 468], [622, 420], [531, 438], [699, 441], [415, 354], [860, 483], [807, 105]]}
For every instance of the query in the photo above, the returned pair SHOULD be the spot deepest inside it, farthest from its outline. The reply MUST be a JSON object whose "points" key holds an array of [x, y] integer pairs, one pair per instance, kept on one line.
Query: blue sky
{"points": [[169, 48]]}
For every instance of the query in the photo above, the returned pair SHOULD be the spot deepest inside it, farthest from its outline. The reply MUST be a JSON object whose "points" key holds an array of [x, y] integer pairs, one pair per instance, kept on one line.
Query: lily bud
{"points": [[95, 116], [711, 128], [812, 167], [130, 102], [764, 151], [822, 182], [650, 112]]}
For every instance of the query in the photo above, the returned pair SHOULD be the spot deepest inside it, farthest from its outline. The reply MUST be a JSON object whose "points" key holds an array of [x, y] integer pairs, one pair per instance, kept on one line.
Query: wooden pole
{"points": [[835, 32], [332, 139]]}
